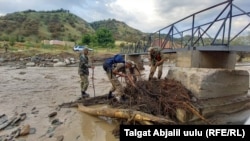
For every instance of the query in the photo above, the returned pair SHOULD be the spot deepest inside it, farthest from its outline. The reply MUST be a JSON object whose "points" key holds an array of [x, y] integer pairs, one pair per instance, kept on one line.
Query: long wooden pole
{"points": [[93, 73]]}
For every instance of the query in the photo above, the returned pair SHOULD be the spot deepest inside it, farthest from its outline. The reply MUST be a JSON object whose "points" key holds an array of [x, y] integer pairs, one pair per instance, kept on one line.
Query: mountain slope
{"points": [[32, 25], [60, 24], [120, 30]]}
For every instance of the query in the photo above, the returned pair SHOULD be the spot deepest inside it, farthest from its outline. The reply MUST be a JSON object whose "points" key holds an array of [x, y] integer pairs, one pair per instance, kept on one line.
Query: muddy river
{"points": [[37, 91]]}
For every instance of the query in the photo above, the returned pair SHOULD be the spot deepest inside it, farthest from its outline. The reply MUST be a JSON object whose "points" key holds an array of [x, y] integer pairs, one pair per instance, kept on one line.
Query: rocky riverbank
{"points": [[63, 59]]}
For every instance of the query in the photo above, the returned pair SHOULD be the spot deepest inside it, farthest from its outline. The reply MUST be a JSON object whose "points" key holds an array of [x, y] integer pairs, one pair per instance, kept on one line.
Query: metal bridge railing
{"points": [[134, 49], [176, 36]]}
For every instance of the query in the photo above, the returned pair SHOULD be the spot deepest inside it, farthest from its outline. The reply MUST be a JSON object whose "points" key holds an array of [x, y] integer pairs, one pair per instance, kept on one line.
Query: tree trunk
{"points": [[125, 114]]}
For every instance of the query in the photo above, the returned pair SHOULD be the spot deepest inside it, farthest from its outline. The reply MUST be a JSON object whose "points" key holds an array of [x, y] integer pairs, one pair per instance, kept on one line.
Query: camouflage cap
{"points": [[150, 48], [154, 48], [132, 63]]}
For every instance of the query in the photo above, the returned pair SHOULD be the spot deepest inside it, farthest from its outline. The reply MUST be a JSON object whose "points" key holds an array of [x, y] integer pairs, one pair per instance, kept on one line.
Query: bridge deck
{"points": [[202, 48]]}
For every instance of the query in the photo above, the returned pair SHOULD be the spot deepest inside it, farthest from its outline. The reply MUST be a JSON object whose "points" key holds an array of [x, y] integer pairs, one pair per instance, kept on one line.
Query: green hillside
{"points": [[120, 30], [47, 25], [60, 24]]}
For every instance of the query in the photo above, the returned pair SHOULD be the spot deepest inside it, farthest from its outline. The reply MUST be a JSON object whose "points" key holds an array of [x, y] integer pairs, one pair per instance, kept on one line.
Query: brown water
{"points": [[38, 91], [43, 89]]}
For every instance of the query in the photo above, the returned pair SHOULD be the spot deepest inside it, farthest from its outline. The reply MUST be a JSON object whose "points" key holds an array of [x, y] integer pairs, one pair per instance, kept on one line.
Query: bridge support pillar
{"points": [[213, 80], [137, 59], [217, 90], [203, 59]]}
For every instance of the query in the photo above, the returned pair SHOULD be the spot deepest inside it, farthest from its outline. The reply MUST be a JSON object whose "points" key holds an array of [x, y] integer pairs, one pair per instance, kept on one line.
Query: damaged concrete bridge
{"points": [[205, 58]]}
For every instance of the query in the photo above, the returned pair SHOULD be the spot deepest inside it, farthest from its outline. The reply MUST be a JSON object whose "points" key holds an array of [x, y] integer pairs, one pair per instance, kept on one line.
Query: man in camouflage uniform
{"points": [[83, 71], [133, 71], [156, 59], [6, 46]]}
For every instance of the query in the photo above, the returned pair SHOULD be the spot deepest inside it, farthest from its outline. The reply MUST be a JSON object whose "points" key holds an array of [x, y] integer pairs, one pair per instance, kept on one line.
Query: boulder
{"points": [[25, 130], [67, 61], [60, 64], [56, 60], [30, 64]]}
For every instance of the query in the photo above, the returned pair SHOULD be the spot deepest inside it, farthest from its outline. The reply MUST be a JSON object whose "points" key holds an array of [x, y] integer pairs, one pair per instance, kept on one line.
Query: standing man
{"points": [[83, 71], [5, 45], [156, 59]]}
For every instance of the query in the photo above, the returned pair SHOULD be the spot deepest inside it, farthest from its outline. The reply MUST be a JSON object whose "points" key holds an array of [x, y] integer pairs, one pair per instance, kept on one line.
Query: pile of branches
{"points": [[156, 97], [144, 102]]}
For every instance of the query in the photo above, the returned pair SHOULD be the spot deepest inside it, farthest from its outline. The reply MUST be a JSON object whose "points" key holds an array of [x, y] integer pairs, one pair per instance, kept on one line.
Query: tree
{"points": [[104, 38], [12, 41], [86, 39]]}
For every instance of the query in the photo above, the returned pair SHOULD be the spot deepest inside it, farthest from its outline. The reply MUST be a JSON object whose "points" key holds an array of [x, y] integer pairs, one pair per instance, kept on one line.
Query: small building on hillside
{"points": [[58, 42]]}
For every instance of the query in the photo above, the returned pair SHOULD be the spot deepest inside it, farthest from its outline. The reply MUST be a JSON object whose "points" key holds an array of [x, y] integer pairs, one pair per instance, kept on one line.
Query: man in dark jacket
{"points": [[83, 71], [116, 66]]}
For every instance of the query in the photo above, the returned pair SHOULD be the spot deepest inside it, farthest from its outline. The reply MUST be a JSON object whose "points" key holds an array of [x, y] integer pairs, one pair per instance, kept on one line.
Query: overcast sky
{"points": [[144, 15]]}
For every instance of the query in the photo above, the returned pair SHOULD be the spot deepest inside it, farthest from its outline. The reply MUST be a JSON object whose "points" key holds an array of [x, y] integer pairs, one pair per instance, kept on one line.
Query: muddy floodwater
{"points": [[37, 91]]}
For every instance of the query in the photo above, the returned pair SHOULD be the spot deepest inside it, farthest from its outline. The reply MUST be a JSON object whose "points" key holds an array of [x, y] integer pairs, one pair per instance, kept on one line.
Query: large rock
{"points": [[25, 130], [211, 83], [2, 59], [67, 61], [60, 64], [30, 64]]}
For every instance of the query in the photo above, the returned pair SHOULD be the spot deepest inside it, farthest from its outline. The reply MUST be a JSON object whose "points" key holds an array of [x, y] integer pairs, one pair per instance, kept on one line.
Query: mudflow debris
{"points": [[144, 103]]}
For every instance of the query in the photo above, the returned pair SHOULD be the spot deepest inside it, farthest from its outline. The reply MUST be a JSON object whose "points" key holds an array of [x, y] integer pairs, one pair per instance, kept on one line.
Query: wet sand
{"points": [[37, 91]]}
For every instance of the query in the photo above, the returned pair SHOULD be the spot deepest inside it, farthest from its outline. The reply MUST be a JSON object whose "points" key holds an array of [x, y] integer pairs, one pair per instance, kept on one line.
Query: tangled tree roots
{"points": [[157, 97]]}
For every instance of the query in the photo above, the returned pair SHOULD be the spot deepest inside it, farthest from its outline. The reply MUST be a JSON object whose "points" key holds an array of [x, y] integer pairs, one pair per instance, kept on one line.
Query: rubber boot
{"points": [[84, 95], [110, 95], [149, 79]]}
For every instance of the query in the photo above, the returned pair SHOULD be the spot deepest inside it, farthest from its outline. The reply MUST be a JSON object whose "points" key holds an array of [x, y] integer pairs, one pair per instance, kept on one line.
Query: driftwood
{"points": [[128, 114], [103, 99], [8, 122], [4, 122]]}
